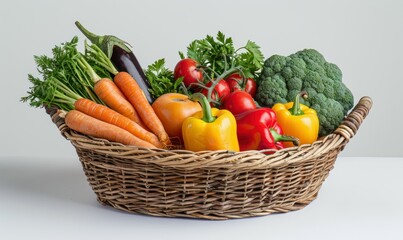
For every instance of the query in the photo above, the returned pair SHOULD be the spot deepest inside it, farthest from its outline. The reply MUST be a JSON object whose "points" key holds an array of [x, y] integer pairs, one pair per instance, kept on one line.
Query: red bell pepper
{"points": [[257, 129]]}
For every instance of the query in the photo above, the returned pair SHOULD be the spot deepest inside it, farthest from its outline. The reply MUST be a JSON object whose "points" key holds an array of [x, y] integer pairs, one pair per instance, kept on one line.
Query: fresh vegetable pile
{"points": [[218, 97]]}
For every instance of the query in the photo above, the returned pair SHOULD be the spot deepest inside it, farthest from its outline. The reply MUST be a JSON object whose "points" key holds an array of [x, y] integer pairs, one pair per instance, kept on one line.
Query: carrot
{"points": [[85, 124], [135, 95], [109, 93], [108, 115]]}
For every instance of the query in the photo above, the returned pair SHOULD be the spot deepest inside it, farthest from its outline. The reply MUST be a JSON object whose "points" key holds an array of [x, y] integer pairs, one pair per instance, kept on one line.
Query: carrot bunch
{"points": [[94, 104], [127, 85]]}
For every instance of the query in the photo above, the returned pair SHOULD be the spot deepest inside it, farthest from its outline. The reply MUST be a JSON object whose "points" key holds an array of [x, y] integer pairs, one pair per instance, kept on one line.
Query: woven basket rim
{"points": [[180, 158]]}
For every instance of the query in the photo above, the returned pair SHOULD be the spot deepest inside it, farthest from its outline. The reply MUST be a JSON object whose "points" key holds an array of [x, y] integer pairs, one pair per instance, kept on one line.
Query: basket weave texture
{"points": [[209, 184]]}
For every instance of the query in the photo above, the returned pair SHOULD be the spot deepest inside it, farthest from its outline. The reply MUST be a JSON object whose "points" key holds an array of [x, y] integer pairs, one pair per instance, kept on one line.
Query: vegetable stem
{"points": [[217, 80], [283, 138], [106, 42], [205, 104], [296, 107], [96, 54], [88, 69], [96, 39]]}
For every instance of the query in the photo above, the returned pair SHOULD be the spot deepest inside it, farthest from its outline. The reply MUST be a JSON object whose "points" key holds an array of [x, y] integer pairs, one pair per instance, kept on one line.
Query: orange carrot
{"points": [[108, 92], [88, 125], [135, 95], [108, 115]]}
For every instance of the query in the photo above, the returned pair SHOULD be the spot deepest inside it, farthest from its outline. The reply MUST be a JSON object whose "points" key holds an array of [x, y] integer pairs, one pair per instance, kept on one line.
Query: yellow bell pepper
{"points": [[209, 129], [298, 120]]}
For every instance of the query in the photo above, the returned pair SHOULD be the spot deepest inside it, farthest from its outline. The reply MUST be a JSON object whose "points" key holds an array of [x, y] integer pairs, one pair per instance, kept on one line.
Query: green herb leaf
{"points": [[63, 79], [257, 56], [217, 55], [162, 79]]}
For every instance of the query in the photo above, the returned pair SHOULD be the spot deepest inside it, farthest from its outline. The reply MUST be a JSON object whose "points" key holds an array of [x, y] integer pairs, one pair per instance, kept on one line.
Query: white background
{"points": [[364, 38], [44, 193]]}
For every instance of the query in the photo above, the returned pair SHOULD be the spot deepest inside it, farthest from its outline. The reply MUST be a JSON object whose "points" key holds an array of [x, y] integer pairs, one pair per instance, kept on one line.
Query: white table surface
{"points": [[51, 199]]}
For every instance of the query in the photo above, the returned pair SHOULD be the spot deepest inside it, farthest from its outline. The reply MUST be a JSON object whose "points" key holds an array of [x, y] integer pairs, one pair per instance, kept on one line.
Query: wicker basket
{"points": [[209, 184]]}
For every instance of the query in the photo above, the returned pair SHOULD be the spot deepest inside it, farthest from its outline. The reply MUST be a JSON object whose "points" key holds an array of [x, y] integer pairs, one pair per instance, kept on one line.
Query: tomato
{"points": [[172, 109], [237, 82], [187, 68], [238, 102], [221, 90]]}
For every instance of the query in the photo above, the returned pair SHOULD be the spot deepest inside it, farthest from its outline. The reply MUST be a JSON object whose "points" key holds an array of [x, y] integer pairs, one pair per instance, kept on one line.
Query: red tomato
{"points": [[236, 82], [221, 90], [238, 102], [187, 69], [172, 109]]}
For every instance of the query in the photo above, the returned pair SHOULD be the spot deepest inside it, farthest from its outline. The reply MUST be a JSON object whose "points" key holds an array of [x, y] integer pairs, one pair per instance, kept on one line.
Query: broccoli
{"points": [[282, 78]]}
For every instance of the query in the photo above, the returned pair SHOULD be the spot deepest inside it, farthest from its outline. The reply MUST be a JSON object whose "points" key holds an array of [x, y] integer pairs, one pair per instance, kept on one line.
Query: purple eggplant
{"points": [[121, 56]]}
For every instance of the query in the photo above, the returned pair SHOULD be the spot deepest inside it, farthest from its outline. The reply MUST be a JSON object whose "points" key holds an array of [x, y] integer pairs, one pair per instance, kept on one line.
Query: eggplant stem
{"points": [[105, 42]]}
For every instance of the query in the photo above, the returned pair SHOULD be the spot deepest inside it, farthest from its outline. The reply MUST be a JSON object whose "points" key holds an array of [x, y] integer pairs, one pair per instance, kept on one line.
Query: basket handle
{"points": [[351, 123]]}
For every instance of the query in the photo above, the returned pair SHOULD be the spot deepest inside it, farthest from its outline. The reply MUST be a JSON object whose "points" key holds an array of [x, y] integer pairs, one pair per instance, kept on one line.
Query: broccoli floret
{"points": [[274, 88], [330, 112], [282, 78], [344, 96]]}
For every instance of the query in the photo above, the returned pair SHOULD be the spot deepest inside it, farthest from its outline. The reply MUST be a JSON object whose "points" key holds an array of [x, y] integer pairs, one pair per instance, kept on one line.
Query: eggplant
{"points": [[121, 56]]}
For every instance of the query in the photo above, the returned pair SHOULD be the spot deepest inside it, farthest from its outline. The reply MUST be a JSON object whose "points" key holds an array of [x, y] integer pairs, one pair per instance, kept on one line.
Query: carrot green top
{"points": [[67, 75]]}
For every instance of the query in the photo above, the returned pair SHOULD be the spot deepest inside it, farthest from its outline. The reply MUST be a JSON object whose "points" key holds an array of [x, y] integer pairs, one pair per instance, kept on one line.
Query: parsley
{"points": [[162, 79], [216, 55]]}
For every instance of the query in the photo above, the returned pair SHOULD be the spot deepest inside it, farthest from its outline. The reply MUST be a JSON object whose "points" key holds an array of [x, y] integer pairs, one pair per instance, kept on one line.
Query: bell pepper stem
{"points": [[295, 110], [206, 108], [283, 138]]}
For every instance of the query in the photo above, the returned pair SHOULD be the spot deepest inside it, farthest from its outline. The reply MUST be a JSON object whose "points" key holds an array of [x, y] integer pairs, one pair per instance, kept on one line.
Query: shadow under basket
{"points": [[209, 184]]}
